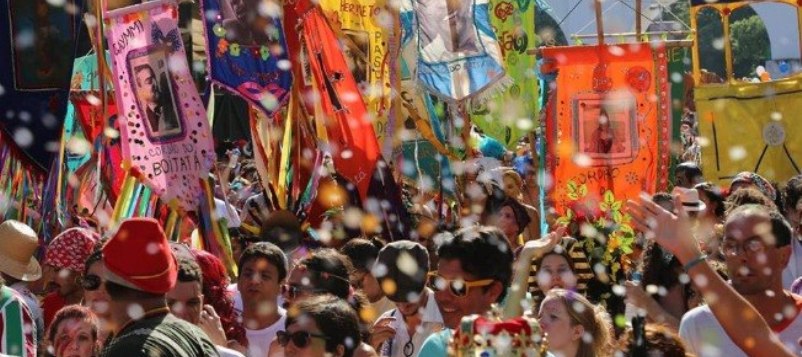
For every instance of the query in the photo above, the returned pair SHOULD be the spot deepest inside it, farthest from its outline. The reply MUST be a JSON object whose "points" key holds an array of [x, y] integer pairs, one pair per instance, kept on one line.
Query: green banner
{"points": [[513, 114]]}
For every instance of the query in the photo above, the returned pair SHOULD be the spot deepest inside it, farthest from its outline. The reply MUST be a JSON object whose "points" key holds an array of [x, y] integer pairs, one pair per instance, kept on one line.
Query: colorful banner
{"points": [[353, 143], [245, 58], [607, 126], [165, 133], [510, 116], [458, 54], [362, 28], [88, 107], [37, 48], [42, 31], [749, 130], [84, 77], [351, 139]]}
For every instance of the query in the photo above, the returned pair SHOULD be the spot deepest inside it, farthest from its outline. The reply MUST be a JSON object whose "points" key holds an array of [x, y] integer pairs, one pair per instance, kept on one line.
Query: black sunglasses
{"points": [[91, 282], [292, 291], [300, 339]]}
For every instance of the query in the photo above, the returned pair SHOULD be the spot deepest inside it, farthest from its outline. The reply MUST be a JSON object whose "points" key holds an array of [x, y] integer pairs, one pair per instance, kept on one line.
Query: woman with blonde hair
{"points": [[575, 327]]}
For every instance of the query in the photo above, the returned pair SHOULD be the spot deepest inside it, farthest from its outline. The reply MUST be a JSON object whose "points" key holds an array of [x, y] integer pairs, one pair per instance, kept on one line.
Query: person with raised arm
{"points": [[747, 330]]}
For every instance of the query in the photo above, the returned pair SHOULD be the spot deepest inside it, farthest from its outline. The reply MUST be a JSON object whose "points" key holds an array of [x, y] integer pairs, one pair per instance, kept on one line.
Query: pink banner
{"points": [[164, 130]]}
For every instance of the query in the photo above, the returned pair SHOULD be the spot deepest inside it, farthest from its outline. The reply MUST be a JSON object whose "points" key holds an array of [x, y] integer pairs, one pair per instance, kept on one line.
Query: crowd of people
{"points": [[717, 273]]}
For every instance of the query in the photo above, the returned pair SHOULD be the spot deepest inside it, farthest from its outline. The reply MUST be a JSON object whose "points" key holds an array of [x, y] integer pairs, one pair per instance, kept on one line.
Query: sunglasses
{"points": [[457, 287], [300, 339], [91, 282]]}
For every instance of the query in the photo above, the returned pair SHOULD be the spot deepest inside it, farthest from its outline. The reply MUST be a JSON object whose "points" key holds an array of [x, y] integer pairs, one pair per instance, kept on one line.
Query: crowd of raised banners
{"points": [[390, 178]]}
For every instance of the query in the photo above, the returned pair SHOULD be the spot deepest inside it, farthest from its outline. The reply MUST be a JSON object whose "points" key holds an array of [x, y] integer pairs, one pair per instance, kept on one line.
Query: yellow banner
{"points": [[362, 27], [749, 127]]}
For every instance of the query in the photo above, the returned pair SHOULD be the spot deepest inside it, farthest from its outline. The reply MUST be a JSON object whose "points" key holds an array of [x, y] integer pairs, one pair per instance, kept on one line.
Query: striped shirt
{"points": [[16, 325]]}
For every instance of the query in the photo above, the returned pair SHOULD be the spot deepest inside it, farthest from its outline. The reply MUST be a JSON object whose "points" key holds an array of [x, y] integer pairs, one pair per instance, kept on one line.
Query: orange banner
{"points": [[608, 121]]}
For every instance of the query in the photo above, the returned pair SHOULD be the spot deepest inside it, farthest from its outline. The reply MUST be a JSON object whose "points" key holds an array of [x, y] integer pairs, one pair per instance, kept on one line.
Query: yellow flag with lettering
{"points": [[363, 28]]}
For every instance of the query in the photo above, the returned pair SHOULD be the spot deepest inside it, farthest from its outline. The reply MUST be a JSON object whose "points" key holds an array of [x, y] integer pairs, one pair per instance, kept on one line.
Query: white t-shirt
{"points": [[259, 340], [704, 336], [237, 297], [227, 352], [431, 322]]}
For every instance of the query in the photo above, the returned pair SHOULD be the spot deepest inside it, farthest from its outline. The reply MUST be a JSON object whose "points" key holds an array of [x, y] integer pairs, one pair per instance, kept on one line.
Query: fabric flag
{"points": [[352, 142], [87, 105], [84, 77], [748, 130], [364, 40], [607, 125], [38, 46], [510, 116], [165, 133], [458, 54], [247, 52]]}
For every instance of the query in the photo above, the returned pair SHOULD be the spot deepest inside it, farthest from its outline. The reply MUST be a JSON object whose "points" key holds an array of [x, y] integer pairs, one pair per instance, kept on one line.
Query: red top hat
{"points": [[139, 257]]}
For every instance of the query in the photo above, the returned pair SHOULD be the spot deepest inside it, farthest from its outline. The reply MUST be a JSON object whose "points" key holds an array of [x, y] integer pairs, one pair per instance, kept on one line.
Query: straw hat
{"points": [[18, 242]]}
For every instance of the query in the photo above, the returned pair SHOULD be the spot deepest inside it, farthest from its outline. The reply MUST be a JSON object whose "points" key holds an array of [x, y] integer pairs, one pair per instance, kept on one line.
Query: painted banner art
{"points": [[89, 111], [608, 122], [353, 144], [749, 131], [364, 41], [247, 52], [509, 116], [164, 131], [458, 54]]}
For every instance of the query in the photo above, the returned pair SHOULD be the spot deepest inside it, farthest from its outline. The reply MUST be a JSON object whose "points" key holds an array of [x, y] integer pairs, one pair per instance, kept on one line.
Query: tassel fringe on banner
{"points": [[21, 186], [493, 90]]}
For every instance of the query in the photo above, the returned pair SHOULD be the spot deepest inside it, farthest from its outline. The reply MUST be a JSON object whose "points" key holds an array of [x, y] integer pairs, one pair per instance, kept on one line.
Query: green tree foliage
{"points": [[750, 40], [750, 45]]}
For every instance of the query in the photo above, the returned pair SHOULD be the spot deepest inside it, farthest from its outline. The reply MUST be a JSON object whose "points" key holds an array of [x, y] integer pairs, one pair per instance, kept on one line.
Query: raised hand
{"points": [[672, 231]]}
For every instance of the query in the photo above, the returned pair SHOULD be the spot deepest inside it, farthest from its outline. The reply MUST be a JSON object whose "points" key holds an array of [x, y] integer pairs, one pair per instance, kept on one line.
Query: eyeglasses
{"points": [[754, 246], [91, 282], [457, 287], [300, 339], [292, 291]]}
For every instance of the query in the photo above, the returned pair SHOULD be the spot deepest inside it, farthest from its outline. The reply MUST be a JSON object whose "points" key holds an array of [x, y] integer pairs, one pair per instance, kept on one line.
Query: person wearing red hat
{"points": [[64, 266], [140, 270]]}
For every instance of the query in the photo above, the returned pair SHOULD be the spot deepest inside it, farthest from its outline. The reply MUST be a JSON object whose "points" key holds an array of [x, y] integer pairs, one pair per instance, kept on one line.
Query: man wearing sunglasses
{"points": [[474, 271]]}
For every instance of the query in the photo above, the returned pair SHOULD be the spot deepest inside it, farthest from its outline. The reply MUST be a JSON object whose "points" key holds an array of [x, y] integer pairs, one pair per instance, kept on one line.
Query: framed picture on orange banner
{"points": [[605, 127]]}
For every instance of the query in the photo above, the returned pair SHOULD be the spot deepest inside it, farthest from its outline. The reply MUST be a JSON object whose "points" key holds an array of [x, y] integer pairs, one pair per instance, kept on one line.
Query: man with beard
{"points": [[756, 249], [64, 265], [473, 273], [401, 331]]}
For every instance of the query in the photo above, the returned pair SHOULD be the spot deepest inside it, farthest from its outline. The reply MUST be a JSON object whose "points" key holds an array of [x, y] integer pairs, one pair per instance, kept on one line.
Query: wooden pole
{"points": [[597, 4], [638, 19]]}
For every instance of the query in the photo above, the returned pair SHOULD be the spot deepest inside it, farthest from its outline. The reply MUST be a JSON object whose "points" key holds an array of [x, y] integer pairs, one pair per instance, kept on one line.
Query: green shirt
{"points": [[160, 335]]}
